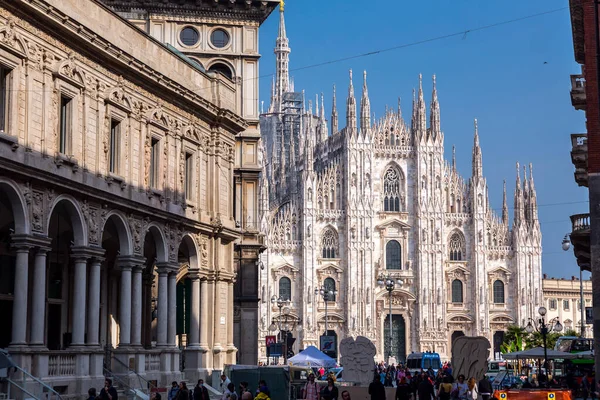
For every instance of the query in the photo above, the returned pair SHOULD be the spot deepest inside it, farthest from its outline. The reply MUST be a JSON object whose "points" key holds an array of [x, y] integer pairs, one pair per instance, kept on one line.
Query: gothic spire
{"points": [[322, 122], [365, 107], [518, 212], [421, 113], [454, 157], [282, 54], [351, 106], [316, 104], [413, 118], [504, 206], [434, 113], [399, 109], [533, 214], [477, 164], [334, 114]]}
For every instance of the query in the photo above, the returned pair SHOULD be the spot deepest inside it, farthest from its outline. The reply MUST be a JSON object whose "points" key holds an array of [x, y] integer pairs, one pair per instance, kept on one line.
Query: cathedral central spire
{"points": [[477, 163], [351, 106], [365, 107], [282, 55], [434, 115]]}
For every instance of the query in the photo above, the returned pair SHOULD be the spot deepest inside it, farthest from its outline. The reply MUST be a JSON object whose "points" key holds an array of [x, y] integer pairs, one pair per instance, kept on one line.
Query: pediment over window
{"points": [[69, 71], [118, 97], [285, 270], [393, 227], [459, 272], [460, 319], [500, 273], [502, 319], [329, 270], [12, 40]]}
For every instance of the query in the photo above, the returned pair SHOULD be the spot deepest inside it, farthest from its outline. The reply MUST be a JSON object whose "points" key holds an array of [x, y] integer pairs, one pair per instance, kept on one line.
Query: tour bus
{"points": [[494, 368], [416, 362], [573, 344]]}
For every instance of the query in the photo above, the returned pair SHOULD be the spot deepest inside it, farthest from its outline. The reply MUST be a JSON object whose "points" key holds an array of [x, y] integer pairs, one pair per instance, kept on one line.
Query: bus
{"points": [[494, 368], [573, 344], [415, 362]]}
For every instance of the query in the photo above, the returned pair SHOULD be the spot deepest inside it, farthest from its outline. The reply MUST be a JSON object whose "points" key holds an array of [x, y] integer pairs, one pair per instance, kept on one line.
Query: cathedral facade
{"points": [[345, 207]]}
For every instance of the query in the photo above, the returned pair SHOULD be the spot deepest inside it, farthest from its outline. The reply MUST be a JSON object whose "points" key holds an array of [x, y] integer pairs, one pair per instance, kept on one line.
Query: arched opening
{"points": [[64, 229], [329, 285], [329, 243], [221, 68], [7, 267], [498, 289], [456, 335], [285, 288], [393, 187], [457, 291], [456, 247], [393, 255], [396, 346], [187, 260], [153, 253], [498, 340]]}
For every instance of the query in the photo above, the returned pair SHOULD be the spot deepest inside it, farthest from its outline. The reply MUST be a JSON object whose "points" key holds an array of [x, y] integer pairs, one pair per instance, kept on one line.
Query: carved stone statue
{"points": [[469, 356], [357, 357]]}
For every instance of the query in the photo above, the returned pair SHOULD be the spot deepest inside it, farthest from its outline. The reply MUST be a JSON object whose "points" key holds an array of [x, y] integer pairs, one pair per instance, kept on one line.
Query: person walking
{"points": [[403, 390], [445, 389], [377, 389], [108, 392], [329, 392], [346, 395], [200, 391], [311, 389], [425, 389], [472, 393], [92, 394], [224, 383], [183, 393], [485, 388], [173, 391]]}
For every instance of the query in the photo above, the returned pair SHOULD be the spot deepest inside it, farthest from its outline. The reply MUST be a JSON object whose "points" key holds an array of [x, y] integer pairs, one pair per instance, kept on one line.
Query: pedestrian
{"points": [[246, 396], [445, 389], [377, 389], [425, 389], [156, 396], [311, 389], [460, 388], [345, 395], [403, 390], [485, 388], [108, 392], [329, 392], [224, 383], [263, 388], [200, 391], [183, 393], [244, 388], [262, 393], [173, 391], [231, 394], [92, 394], [472, 393]]}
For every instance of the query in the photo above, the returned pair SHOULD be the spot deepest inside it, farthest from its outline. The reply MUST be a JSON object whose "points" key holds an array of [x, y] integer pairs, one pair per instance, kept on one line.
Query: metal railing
{"points": [[149, 384], [129, 391], [580, 222], [22, 386]]}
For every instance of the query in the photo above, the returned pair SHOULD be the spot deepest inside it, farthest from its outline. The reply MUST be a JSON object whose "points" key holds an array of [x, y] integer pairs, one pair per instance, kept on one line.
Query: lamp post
{"points": [[566, 245], [544, 328], [389, 284], [281, 302], [327, 294]]}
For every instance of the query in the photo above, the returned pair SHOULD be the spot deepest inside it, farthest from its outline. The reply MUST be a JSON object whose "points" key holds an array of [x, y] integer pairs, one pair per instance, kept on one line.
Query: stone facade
{"points": [[116, 204], [223, 39], [562, 299], [343, 207]]}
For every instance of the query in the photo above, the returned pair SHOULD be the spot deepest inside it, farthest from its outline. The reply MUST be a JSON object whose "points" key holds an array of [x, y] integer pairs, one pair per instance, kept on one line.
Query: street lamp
{"points": [[566, 245], [281, 302], [389, 283], [544, 328], [327, 294]]}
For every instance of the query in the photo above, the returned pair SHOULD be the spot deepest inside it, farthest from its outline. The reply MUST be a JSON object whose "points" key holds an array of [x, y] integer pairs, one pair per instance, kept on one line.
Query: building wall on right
{"points": [[562, 299]]}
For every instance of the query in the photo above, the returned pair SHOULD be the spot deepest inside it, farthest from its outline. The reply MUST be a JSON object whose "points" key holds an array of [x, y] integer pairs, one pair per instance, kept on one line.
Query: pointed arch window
{"points": [[329, 285], [498, 289], [329, 244], [285, 288], [392, 190], [393, 255], [457, 291], [456, 247]]}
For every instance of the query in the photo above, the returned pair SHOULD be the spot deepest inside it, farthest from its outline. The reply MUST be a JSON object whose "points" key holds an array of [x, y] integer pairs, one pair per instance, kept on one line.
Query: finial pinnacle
{"points": [[433, 80], [350, 76], [476, 129], [420, 81], [281, 5]]}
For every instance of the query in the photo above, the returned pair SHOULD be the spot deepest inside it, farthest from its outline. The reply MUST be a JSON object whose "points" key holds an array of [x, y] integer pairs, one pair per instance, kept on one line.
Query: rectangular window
{"points": [[154, 157], [565, 304], [65, 124], [115, 146], [552, 304], [189, 176], [4, 81]]}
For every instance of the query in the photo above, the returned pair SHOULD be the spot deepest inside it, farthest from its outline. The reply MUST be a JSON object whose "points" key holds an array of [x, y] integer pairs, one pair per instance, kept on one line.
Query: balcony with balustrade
{"points": [[580, 238], [578, 97], [579, 157]]}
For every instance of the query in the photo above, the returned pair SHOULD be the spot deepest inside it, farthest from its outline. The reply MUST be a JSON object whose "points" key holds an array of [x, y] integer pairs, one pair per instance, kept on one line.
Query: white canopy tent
{"points": [[312, 357]]}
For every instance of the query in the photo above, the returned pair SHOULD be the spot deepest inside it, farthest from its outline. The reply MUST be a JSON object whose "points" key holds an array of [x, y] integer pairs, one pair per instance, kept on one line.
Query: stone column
{"points": [[93, 321], [161, 334], [172, 309], [80, 258], [125, 307], [38, 303], [136, 306], [19, 319], [194, 336], [204, 317]]}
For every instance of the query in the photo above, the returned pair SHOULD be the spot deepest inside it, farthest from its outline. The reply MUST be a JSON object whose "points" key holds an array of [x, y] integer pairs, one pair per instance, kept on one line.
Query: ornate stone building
{"points": [[117, 216], [562, 299], [222, 36], [343, 206]]}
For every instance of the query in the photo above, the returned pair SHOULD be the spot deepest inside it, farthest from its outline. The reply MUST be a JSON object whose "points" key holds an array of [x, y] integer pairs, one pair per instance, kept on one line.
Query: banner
{"points": [[589, 315]]}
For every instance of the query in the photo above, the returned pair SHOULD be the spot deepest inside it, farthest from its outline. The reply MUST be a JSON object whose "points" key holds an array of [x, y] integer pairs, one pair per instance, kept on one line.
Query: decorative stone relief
{"points": [[357, 358], [95, 217], [173, 235], [470, 355]]}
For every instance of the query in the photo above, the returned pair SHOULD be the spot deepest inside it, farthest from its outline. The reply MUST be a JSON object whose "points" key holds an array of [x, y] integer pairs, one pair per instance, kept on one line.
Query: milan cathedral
{"points": [[342, 207]]}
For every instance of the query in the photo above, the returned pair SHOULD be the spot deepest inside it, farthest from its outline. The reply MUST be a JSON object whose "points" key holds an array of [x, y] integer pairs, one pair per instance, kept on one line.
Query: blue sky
{"points": [[513, 78]]}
